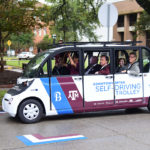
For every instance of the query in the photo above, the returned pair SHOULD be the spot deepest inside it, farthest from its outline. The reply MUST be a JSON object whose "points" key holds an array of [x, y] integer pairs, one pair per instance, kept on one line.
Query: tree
{"points": [[143, 23], [145, 4], [22, 40], [17, 16], [72, 19]]}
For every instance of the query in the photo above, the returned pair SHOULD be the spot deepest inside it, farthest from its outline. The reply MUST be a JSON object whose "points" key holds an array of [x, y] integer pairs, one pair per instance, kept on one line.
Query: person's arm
{"points": [[71, 60], [104, 71], [135, 70]]}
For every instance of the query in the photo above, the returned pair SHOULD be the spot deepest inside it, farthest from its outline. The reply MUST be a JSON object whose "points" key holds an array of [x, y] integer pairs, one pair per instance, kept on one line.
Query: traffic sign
{"points": [[108, 14], [8, 42]]}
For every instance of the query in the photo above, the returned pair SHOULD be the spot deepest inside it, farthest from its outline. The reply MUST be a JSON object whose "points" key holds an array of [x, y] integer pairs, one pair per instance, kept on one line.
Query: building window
{"points": [[35, 33], [134, 36], [45, 31], [40, 32], [121, 21], [132, 19], [148, 38], [122, 36]]}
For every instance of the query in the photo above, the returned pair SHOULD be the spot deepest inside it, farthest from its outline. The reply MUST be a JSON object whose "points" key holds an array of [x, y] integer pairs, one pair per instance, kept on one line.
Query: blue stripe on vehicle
{"points": [[59, 99]]}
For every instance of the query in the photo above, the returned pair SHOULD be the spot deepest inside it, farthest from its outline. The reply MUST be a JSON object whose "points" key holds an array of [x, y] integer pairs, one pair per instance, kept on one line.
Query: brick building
{"points": [[38, 37], [39, 34], [129, 11]]}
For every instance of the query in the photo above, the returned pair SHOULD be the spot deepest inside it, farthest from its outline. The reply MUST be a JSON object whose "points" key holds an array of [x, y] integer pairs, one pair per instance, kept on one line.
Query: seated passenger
{"points": [[61, 66], [133, 66], [121, 66], [105, 68], [74, 64], [93, 67]]}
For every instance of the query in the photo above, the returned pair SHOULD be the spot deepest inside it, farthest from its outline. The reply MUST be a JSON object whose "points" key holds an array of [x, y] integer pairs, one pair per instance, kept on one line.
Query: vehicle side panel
{"points": [[66, 94]]}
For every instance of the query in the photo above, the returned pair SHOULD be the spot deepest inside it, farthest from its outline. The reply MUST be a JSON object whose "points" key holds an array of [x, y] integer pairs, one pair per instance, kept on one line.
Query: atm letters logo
{"points": [[73, 95]]}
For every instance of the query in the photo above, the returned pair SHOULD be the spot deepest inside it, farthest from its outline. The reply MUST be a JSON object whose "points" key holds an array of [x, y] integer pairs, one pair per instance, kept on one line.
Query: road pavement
{"points": [[107, 130]]}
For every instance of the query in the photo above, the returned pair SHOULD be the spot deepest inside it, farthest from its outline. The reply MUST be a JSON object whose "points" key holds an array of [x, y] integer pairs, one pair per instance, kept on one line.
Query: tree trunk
{"points": [[1, 52], [64, 36]]}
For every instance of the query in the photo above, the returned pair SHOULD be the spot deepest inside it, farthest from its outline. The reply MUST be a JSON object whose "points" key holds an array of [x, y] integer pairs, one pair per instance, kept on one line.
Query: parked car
{"points": [[25, 55]]}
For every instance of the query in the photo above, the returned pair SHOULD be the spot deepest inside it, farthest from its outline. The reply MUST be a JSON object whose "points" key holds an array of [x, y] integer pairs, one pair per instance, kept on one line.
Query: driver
{"points": [[61, 65]]}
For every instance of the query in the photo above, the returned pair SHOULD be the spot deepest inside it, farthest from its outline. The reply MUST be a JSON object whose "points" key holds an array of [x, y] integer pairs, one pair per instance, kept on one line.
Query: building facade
{"points": [[124, 30], [39, 34]]}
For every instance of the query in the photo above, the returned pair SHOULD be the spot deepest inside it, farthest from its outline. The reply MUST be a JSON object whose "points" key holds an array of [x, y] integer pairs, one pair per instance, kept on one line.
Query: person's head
{"points": [[62, 59], [121, 62], [132, 57], [76, 58], [104, 60], [93, 60]]}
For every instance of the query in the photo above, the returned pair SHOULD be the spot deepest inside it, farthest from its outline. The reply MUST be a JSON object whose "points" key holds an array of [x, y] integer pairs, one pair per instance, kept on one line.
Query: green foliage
{"points": [[18, 16], [22, 40], [16, 63], [2, 93], [73, 19], [143, 23], [145, 4]]}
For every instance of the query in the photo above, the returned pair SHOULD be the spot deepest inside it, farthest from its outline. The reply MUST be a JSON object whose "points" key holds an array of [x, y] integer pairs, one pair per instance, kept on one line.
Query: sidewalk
{"points": [[11, 68]]}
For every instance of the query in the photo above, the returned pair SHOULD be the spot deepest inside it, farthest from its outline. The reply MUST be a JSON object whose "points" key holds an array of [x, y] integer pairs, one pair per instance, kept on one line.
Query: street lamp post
{"points": [[54, 37]]}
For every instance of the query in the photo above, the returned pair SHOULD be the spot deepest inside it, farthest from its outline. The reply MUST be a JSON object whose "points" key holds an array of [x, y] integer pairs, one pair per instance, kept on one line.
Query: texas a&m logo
{"points": [[73, 95]]}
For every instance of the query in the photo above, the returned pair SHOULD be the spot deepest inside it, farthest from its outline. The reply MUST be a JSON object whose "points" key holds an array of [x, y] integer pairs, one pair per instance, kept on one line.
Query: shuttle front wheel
{"points": [[30, 111]]}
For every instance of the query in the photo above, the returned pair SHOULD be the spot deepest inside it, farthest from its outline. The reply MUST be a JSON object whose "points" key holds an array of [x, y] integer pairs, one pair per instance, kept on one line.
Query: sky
{"points": [[101, 32]]}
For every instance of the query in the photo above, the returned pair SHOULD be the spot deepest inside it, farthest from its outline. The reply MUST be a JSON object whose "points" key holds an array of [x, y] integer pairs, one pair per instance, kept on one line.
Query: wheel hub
{"points": [[31, 111]]}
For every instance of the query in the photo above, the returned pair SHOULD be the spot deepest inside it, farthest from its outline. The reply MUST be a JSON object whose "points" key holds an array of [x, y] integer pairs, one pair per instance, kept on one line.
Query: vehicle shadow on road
{"points": [[107, 113]]}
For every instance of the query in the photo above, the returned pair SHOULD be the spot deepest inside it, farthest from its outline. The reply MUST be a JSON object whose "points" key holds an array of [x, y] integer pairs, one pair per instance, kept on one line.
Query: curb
{"points": [[11, 67]]}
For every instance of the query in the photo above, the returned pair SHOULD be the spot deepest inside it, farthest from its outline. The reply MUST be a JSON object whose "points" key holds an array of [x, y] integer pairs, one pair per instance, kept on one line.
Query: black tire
{"points": [[132, 110], [30, 111], [148, 106]]}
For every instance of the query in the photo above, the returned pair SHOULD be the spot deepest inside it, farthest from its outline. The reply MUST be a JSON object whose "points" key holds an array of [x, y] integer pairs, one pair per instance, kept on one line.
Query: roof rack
{"points": [[132, 43]]}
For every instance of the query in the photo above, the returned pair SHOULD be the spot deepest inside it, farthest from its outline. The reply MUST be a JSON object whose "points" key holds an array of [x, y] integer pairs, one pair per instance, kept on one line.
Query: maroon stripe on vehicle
{"points": [[105, 103], [71, 92], [101, 103]]}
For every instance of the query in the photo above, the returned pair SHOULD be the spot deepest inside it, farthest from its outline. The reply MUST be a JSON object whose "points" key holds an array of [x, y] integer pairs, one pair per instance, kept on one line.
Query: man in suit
{"points": [[105, 68], [93, 67], [133, 66]]}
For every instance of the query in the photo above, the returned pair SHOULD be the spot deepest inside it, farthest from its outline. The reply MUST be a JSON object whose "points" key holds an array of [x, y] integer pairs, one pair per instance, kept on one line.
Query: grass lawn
{"points": [[16, 63], [13, 61], [10, 58], [2, 93]]}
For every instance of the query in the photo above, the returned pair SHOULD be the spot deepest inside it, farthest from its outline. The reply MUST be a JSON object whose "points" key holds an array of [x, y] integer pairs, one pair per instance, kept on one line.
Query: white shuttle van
{"points": [[64, 80]]}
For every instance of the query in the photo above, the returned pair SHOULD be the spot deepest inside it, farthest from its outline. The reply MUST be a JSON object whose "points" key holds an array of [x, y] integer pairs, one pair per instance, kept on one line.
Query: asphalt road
{"points": [[107, 130]]}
